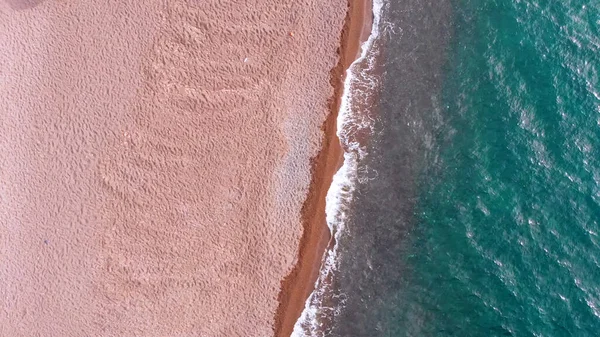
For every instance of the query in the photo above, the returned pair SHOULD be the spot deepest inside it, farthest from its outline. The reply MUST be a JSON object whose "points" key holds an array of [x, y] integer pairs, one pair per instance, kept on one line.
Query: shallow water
{"points": [[475, 202]]}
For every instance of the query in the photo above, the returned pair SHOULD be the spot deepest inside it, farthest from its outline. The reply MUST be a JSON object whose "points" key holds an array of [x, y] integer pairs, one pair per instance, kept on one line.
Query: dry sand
{"points": [[155, 160]]}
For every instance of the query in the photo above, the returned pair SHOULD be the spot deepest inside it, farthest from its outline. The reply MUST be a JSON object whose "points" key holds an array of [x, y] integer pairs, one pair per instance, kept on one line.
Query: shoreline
{"points": [[297, 286]]}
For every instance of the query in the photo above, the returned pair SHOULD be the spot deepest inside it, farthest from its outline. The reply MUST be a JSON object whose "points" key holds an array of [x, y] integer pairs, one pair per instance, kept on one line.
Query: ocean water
{"points": [[469, 201]]}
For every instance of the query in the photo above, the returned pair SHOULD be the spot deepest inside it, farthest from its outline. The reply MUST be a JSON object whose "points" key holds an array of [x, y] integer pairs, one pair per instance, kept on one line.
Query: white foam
{"points": [[344, 181]]}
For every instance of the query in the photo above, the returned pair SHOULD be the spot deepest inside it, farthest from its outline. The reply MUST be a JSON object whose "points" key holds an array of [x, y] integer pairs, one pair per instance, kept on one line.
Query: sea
{"points": [[469, 199]]}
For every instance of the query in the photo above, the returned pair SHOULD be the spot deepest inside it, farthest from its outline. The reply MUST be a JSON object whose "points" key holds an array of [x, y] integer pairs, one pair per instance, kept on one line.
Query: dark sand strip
{"points": [[299, 284]]}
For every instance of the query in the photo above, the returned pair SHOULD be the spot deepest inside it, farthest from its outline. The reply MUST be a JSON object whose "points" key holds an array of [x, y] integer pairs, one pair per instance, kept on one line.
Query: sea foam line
{"points": [[341, 191]]}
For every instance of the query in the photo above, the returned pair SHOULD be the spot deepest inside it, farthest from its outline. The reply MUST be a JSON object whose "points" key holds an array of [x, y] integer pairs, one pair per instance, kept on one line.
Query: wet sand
{"points": [[156, 159], [298, 285]]}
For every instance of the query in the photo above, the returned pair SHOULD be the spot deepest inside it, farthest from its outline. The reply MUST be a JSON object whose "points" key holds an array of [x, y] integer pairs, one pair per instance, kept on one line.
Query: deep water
{"points": [[477, 207]]}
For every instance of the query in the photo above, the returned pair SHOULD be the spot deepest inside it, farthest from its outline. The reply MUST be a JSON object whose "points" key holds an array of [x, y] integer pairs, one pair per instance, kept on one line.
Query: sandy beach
{"points": [[157, 163], [171, 168]]}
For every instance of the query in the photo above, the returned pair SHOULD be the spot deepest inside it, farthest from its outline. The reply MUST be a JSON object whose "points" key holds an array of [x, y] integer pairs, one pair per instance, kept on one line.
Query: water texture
{"points": [[475, 204]]}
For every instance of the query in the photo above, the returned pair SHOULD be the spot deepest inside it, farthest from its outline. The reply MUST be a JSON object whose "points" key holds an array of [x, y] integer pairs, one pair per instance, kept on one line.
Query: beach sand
{"points": [[298, 285], [156, 157]]}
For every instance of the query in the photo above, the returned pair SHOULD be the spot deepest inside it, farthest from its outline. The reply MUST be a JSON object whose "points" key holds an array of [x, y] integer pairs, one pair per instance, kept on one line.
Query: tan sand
{"points": [[155, 160], [298, 285]]}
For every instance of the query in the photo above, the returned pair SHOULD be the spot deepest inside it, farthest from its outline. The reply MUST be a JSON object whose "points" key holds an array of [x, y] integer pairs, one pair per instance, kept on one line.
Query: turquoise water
{"points": [[505, 238], [474, 207]]}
